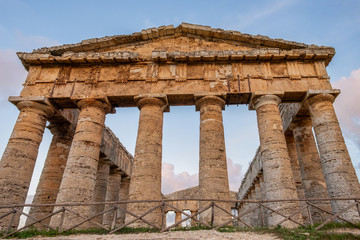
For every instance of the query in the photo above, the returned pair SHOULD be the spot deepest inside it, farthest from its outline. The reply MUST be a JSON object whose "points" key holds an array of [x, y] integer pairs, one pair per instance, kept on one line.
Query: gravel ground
{"points": [[178, 235]]}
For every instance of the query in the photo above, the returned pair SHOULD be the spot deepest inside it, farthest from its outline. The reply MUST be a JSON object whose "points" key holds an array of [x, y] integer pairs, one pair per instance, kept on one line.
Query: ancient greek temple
{"points": [[302, 153]]}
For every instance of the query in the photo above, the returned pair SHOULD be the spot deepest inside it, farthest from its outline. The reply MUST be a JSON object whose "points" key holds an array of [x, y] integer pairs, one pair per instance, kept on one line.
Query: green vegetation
{"points": [[284, 233], [301, 233]]}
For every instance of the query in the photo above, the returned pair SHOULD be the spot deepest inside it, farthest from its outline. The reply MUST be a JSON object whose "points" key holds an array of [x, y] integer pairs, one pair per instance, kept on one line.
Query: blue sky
{"points": [[26, 25]]}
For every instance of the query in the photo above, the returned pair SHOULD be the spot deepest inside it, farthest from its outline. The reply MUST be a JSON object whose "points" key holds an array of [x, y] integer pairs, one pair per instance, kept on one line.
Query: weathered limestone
{"points": [[213, 175], [177, 216], [262, 189], [257, 220], [183, 65], [339, 173], [312, 176], [192, 221], [101, 186], [278, 176], [291, 146], [112, 195], [253, 216], [123, 196], [18, 160], [146, 174], [52, 172], [79, 178]]}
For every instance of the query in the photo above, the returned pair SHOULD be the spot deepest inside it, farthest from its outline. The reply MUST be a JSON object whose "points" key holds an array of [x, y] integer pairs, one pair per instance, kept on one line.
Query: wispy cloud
{"points": [[261, 12], [149, 24], [29, 42]]}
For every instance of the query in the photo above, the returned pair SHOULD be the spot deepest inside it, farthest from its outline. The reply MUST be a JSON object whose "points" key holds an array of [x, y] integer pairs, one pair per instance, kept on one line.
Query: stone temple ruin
{"points": [[74, 87]]}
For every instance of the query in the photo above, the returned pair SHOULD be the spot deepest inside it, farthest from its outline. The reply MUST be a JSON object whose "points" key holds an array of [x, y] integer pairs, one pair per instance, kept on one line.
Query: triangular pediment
{"points": [[185, 37], [186, 42]]}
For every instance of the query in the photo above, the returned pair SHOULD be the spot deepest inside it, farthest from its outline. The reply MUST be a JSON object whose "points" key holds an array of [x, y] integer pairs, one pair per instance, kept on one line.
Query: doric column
{"points": [[312, 175], [101, 186], [339, 173], [192, 221], [262, 189], [213, 175], [291, 146], [254, 215], [145, 181], [123, 196], [112, 194], [79, 177], [52, 173], [178, 217], [278, 176], [258, 221], [18, 161]]}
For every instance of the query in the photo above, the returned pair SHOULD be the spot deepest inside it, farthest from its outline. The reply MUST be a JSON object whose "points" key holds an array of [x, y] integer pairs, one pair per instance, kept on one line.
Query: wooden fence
{"points": [[211, 205]]}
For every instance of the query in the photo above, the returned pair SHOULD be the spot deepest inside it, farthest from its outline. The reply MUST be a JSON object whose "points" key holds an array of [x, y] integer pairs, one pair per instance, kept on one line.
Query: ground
{"points": [[178, 235]]}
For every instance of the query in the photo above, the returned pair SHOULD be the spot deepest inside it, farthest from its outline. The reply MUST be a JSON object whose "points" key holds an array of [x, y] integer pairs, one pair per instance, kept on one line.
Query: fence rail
{"points": [[213, 205]]}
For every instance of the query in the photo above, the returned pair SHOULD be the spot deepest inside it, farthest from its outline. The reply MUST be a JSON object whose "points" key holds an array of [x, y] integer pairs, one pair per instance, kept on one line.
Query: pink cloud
{"points": [[347, 105], [12, 74], [172, 182], [235, 175]]}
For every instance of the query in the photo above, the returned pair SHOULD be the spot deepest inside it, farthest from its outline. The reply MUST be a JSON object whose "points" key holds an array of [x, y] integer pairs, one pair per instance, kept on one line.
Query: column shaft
{"points": [[123, 196], [213, 174], [312, 175], [278, 176], [178, 218], [262, 189], [254, 215], [112, 195], [101, 185], [339, 173], [192, 221], [18, 161], [52, 173], [79, 177], [291, 146], [146, 172], [258, 221]]}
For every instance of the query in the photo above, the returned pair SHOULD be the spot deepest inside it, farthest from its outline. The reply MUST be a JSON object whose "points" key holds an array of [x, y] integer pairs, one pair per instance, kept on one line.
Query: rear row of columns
{"points": [[287, 158]]}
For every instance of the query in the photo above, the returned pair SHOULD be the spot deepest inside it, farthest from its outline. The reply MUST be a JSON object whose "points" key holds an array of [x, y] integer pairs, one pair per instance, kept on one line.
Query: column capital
{"points": [[322, 97], [61, 128], [152, 99], [117, 171], [31, 104], [260, 100], [91, 102], [300, 121], [202, 100]]}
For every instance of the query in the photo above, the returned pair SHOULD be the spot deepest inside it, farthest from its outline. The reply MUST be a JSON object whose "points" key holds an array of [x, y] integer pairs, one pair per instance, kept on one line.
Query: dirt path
{"points": [[179, 235]]}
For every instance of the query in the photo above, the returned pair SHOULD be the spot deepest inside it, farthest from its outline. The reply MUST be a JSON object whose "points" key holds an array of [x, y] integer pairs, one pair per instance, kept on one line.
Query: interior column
{"points": [[278, 176], [79, 177]]}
